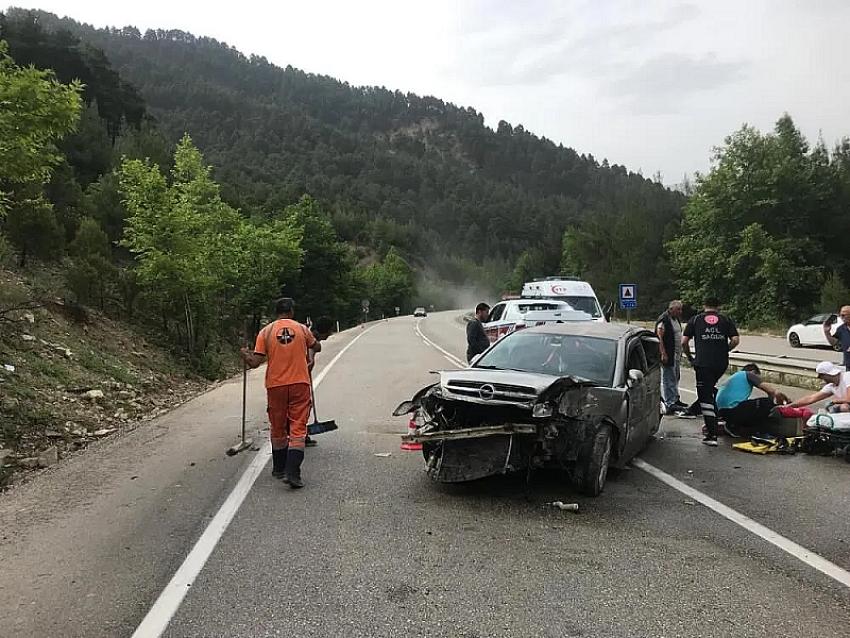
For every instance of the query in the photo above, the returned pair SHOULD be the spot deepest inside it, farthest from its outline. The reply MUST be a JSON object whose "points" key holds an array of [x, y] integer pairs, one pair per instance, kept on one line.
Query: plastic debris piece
{"points": [[564, 507], [383, 455], [8, 367]]}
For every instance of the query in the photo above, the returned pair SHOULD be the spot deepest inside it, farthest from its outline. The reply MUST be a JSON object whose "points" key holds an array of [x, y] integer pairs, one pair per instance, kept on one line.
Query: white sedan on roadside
{"points": [[810, 332]]}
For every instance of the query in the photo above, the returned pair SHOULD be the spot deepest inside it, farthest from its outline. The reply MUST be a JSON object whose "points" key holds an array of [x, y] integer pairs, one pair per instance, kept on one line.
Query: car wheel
{"points": [[794, 340], [594, 461]]}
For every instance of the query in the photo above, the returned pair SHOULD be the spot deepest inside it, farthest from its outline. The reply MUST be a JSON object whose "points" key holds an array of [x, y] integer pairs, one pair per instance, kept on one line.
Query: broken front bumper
{"points": [[468, 454], [470, 433]]}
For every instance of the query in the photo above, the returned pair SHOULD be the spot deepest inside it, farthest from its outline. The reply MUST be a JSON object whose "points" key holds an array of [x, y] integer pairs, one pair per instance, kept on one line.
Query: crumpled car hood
{"points": [[527, 379], [503, 386]]}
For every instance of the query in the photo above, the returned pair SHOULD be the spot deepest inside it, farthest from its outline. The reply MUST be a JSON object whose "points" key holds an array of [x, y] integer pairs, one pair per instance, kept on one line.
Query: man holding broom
{"points": [[289, 348]]}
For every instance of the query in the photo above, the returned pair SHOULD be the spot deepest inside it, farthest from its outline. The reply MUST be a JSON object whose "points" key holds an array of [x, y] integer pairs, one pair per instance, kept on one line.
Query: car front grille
{"points": [[501, 391]]}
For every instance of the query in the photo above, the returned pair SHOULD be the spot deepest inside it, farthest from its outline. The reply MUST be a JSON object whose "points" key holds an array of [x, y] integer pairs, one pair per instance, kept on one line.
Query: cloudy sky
{"points": [[650, 84]]}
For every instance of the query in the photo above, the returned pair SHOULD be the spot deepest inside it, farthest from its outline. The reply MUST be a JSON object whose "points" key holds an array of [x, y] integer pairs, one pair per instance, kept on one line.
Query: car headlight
{"points": [[541, 410]]}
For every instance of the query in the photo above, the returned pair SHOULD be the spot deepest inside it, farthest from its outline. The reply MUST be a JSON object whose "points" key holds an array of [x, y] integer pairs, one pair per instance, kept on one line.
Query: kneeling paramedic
{"points": [[735, 405], [289, 348]]}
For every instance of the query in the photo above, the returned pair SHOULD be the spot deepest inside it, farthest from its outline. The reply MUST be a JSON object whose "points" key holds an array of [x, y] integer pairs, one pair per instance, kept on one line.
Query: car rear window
{"points": [[588, 358], [523, 308]]}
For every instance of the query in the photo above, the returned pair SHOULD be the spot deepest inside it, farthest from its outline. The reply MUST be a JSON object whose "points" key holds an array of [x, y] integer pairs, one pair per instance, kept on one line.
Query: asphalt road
{"points": [[371, 548], [775, 346]]}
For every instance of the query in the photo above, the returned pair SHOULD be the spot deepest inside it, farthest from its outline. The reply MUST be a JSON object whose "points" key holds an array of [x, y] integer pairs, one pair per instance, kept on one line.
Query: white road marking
{"points": [[785, 544], [448, 355], [156, 621], [799, 552]]}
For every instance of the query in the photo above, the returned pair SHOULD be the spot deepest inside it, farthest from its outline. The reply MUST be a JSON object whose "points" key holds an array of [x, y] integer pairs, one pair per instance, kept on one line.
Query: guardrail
{"points": [[779, 369]]}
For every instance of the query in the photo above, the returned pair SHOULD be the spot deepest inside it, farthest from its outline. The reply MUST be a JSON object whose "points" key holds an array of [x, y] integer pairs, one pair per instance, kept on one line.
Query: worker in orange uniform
{"points": [[289, 348]]}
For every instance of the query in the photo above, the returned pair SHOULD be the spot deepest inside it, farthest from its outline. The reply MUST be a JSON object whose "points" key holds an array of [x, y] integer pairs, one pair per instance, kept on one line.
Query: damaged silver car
{"points": [[578, 396]]}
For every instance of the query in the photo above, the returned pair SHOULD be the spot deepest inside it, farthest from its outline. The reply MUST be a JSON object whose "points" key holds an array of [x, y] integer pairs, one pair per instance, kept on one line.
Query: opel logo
{"points": [[486, 391]]}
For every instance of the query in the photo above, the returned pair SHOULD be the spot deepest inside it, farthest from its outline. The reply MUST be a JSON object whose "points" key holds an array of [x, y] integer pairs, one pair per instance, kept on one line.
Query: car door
{"points": [[812, 332], [652, 353], [491, 328], [639, 395]]}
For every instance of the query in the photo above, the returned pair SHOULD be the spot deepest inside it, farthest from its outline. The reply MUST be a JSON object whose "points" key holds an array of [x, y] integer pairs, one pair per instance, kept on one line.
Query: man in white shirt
{"points": [[836, 388]]}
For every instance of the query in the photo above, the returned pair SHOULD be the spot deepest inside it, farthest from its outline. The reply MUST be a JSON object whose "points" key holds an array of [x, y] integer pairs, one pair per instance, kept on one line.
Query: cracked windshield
{"points": [[473, 319]]}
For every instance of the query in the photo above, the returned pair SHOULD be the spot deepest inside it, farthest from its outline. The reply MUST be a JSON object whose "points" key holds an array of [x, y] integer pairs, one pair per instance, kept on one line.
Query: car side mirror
{"points": [[635, 377]]}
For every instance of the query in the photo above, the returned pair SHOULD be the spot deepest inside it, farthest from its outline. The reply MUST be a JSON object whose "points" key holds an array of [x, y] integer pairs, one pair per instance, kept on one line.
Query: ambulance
{"points": [[579, 294]]}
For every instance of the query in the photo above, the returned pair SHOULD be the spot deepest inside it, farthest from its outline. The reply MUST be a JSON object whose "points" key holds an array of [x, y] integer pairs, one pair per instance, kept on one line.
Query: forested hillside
{"points": [[392, 169], [411, 195]]}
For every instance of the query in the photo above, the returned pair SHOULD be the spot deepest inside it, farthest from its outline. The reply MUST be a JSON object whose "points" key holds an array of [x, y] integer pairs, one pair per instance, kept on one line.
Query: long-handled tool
{"points": [[318, 427], [244, 444]]}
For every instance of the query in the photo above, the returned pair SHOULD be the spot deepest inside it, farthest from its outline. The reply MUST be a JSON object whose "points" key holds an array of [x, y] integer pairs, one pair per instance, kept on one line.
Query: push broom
{"points": [[318, 427], [244, 444]]}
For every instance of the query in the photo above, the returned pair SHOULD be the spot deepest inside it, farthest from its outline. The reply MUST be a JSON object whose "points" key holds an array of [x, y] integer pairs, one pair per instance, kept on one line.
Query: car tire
{"points": [[594, 460], [794, 340]]}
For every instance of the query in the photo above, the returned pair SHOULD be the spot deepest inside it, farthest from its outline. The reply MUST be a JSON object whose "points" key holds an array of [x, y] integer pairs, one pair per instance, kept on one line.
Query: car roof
{"points": [[599, 329]]}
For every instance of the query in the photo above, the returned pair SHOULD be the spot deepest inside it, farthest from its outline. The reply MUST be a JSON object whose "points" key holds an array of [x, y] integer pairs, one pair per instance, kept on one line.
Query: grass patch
{"points": [[103, 364], [53, 371]]}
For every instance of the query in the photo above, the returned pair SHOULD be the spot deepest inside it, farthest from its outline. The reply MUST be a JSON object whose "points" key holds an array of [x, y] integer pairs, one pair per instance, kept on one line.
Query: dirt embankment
{"points": [[70, 376]]}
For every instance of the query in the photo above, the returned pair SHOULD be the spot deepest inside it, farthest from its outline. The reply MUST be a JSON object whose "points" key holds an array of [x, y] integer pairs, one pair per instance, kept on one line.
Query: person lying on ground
{"points": [[836, 388], [738, 409]]}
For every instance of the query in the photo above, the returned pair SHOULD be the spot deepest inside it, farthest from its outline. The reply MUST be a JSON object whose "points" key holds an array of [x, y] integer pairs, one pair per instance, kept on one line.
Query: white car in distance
{"points": [[809, 333]]}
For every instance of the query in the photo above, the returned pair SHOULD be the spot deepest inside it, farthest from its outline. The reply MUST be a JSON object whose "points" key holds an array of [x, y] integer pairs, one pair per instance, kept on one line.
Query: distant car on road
{"points": [[809, 333], [420, 312], [579, 396]]}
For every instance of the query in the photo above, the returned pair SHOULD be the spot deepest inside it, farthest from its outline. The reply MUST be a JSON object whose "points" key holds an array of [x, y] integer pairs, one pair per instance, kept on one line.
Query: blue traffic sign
{"points": [[628, 296]]}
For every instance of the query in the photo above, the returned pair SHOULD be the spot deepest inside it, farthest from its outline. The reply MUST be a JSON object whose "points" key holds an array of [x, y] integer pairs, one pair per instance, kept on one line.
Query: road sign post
{"points": [[628, 299]]}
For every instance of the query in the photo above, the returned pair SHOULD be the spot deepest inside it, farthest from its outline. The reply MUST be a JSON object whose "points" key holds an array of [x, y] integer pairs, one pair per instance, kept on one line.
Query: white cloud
{"points": [[646, 83]]}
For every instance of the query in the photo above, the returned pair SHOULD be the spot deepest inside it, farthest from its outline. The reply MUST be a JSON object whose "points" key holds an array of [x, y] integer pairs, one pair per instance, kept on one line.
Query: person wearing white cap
{"points": [[836, 388]]}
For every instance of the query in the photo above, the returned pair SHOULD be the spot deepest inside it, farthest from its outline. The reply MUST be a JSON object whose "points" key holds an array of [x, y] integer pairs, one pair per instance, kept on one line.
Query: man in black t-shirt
{"points": [[714, 336], [476, 339]]}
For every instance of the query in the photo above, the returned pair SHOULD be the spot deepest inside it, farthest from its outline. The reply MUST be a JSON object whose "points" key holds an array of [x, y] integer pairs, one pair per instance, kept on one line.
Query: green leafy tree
{"points": [[90, 271], [260, 257], [37, 112], [389, 284], [834, 293], [197, 258], [757, 230], [32, 227], [180, 234], [322, 285]]}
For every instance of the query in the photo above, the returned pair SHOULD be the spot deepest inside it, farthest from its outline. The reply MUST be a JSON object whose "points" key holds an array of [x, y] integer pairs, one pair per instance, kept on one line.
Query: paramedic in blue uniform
{"points": [[735, 405], [714, 336]]}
